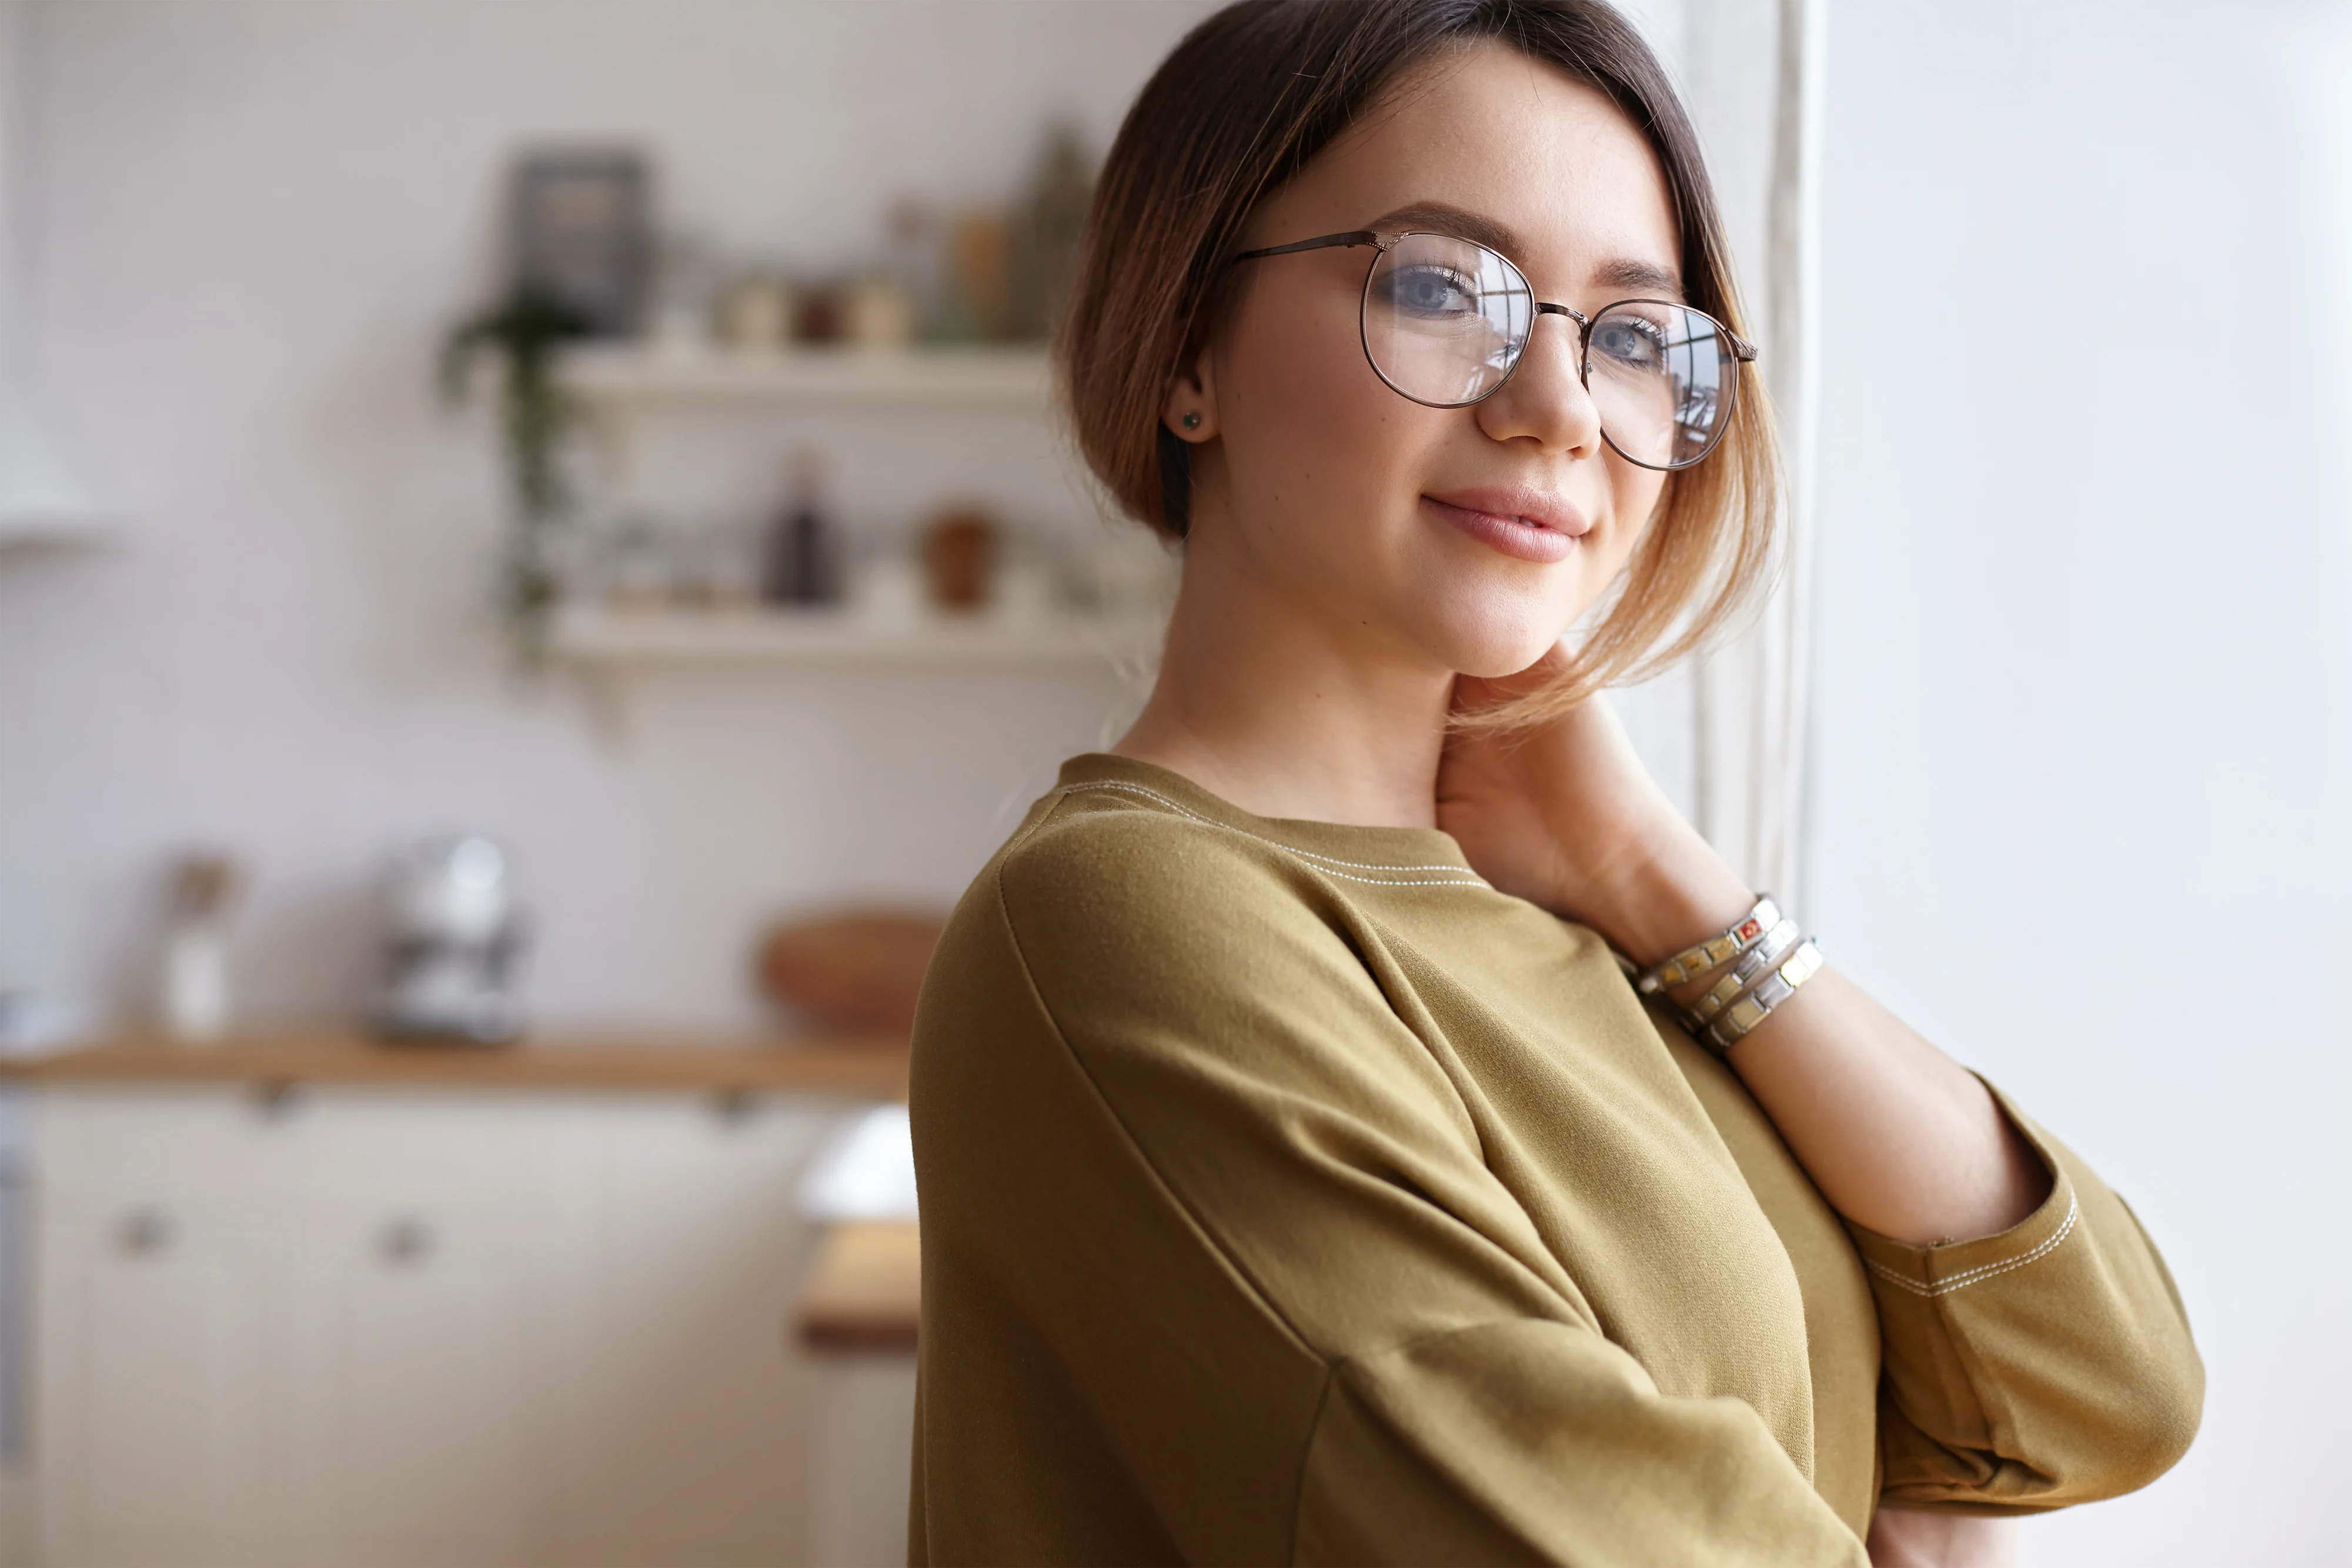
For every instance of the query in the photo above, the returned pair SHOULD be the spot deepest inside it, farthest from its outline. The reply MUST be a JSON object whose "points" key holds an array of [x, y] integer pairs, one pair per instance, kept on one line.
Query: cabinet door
{"points": [[687, 1443], [428, 1340], [155, 1384]]}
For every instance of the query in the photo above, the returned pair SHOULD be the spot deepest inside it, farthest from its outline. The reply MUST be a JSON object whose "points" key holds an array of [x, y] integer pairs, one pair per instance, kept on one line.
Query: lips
{"points": [[1527, 524]]}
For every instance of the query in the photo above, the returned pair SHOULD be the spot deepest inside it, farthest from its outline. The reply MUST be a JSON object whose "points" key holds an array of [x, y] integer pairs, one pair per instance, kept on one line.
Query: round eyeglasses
{"points": [[1446, 321]]}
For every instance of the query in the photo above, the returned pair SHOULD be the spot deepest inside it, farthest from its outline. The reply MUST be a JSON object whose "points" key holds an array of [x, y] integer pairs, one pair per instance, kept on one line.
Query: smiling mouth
{"points": [[1518, 535]]}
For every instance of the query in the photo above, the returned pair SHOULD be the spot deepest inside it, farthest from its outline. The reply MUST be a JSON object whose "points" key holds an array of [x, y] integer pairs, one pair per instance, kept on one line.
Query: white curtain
{"points": [[1727, 734]]}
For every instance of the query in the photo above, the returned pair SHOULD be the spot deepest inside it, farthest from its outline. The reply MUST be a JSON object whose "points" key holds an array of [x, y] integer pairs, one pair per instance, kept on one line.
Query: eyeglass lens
{"points": [[1446, 319]]}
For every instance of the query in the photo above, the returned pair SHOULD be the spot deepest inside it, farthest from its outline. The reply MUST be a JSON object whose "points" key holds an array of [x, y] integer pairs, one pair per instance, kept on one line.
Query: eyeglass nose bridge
{"points": [[1583, 337]]}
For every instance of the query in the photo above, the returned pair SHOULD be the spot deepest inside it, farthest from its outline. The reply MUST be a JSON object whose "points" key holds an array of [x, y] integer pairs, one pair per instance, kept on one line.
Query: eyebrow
{"points": [[1644, 278]]}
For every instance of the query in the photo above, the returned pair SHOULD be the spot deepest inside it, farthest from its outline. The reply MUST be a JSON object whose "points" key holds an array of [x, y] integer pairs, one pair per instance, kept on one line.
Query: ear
{"points": [[1191, 414]]}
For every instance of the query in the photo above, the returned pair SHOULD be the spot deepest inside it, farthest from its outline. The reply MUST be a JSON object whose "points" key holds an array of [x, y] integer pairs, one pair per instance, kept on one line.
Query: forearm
{"points": [[1908, 1538], [2010, 1386], [1897, 1136]]}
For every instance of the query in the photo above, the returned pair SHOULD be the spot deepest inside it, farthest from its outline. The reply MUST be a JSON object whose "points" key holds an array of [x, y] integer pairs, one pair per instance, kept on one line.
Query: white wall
{"points": [[253, 221], [2081, 788]]}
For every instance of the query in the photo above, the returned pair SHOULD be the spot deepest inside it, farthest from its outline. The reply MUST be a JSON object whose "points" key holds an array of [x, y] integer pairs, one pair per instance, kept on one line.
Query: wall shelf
{"points": [[597, 637], [636, 376], [624, 388], [613, 647]]}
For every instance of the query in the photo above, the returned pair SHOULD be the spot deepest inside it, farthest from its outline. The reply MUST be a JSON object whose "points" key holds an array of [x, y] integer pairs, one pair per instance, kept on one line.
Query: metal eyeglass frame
{"points": [[1742, 351]]}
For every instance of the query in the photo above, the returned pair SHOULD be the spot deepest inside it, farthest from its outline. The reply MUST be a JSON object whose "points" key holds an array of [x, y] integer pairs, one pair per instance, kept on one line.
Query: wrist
{"points": [[1673, 892]]}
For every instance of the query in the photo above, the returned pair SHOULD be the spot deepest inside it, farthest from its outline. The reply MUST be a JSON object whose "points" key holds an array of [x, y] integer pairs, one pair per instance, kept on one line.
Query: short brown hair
{"points": [[1242, 105]]}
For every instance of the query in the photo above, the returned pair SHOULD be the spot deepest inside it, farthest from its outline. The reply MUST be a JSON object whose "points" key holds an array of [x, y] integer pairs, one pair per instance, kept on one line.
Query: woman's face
{"points": [[1467, 537]]}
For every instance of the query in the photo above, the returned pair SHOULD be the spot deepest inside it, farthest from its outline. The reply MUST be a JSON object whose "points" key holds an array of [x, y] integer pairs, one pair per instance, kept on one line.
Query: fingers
{"points": [[1472, 693]]}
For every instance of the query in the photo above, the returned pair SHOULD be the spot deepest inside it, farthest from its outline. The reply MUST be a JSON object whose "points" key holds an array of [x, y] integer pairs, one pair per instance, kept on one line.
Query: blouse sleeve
{"points": [[2046, 1365], [1529, 1439], [1442, 1389]]}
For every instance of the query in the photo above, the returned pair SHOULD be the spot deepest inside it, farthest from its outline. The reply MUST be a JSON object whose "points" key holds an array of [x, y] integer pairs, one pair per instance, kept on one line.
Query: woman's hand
{"points": [[1568, 817]]}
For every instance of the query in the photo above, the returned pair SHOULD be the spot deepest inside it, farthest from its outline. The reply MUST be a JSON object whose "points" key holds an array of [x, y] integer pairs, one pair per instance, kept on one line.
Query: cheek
{"points": [[1310, 433], [1634, 495]]}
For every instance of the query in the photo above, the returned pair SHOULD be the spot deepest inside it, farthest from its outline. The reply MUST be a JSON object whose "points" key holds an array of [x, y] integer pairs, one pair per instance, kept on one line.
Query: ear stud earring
{"points": [[1193, 421]]}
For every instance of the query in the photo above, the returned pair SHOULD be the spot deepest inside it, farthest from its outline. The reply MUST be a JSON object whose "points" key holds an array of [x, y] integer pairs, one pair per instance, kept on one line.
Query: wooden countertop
{"points": [[865, 1069], [864, 1289]]}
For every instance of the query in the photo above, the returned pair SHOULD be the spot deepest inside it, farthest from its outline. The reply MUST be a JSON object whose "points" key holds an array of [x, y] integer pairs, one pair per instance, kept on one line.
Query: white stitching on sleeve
{"points": [[1968, 1276]]}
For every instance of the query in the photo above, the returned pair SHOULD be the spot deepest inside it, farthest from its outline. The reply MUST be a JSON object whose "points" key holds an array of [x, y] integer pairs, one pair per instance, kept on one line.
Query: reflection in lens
{"points": [[1658, 375], [1444, 320]]}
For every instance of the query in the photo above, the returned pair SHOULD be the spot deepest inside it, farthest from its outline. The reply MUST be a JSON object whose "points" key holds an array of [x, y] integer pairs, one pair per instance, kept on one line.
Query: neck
{"points": [[1288, 713]]}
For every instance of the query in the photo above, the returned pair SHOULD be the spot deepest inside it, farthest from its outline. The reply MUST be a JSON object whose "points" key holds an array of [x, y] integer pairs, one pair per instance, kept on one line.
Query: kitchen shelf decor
{"points": [[626, 393], [616, 388]]}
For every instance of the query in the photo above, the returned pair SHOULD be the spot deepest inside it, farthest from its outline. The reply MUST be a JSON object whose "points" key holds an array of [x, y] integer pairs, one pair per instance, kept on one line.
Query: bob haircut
{"points": [[1244, 103]]}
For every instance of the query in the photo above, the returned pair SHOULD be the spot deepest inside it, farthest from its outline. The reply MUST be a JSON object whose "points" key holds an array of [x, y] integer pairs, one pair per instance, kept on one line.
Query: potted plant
{"points": [[523, 335]]}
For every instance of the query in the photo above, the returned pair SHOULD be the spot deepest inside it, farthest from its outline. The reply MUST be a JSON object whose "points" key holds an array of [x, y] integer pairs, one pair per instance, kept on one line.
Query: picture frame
{"points": [[580, 232]]}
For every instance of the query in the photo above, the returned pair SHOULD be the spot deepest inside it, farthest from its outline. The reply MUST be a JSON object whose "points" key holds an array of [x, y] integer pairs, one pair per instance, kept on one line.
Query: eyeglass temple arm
{"points": [[1741, 349], [1320, 242]]}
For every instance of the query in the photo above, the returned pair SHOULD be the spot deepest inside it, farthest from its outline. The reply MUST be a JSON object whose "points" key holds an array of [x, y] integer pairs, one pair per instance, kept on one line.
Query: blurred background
{"points": [[536, 523]]}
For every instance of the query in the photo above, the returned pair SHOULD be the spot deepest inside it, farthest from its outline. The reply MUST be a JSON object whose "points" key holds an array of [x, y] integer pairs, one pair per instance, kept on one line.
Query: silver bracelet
{"points": [[1695, 961], [1764, 955], [1773, 990]]}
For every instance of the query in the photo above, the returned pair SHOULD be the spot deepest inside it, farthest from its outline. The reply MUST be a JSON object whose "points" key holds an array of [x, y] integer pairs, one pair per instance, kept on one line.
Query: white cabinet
{"points": [[677, 1453], [154, 1330], [422, 1391], [366, 1327]]}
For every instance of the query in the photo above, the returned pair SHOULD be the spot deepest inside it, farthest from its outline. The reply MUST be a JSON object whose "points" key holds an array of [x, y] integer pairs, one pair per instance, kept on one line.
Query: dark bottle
{"points": [[801, 568]]}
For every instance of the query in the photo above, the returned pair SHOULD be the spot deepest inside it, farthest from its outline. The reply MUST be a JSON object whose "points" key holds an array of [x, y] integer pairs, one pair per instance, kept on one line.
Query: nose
{"points": [[1545, 401]]}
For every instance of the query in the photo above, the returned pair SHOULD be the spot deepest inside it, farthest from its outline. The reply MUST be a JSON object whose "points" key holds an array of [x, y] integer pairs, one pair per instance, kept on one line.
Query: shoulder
{"points": [[1131, 921], [1121, 850], [1185, 968], [1124, 908], [1104, 882]]}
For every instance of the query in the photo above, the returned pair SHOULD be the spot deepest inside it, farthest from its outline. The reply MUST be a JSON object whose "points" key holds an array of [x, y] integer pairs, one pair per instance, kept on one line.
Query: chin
{"points": [[1495, 624], [1497, 648]]}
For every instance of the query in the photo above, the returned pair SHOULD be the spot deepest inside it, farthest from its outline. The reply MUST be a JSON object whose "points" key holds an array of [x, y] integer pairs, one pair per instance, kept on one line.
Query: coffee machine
{"points": [[453, 941]]}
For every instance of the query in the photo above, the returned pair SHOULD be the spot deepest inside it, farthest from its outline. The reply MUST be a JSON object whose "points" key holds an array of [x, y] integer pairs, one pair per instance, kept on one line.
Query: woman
{"points": [[1358, 1120]]}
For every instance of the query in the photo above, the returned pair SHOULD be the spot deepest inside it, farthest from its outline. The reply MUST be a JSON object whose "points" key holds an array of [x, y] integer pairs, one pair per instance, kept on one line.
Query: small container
{"points": [[801, 565], [683, 298], [820, 316], [960, 558], [978, 270], [880, 314], [756, 312], [195, 982], [196, 992]]}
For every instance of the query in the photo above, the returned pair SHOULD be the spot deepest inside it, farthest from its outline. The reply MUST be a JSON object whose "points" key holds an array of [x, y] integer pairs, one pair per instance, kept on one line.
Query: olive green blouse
{"points": [[1290, 1195]]}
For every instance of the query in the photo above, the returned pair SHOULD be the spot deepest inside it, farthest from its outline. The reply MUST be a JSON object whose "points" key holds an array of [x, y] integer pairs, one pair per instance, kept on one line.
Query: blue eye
{"points": [[1630, 341], [1430, 292]]}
